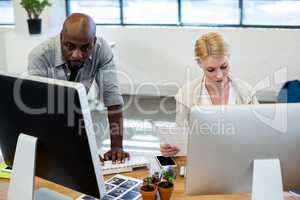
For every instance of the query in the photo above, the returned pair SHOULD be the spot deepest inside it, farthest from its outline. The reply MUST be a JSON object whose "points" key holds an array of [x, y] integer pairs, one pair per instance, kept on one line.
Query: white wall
{"points": [[52, 17], [163, 55]]}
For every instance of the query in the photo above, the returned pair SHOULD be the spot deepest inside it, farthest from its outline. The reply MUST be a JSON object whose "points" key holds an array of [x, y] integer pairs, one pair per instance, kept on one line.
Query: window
{"points": [[150, 11], [250, 13], [103, 12], [210, 12], [266, 12], [6, 12]]}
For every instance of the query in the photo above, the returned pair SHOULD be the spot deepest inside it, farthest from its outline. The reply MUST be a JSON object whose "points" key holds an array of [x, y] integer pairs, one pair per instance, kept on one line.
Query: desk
{"points": [[178, 193]]}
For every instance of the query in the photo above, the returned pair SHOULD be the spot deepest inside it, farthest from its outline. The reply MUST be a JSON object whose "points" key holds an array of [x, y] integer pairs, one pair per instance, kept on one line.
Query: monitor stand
{"points": [[267, 180], [22, 179]]}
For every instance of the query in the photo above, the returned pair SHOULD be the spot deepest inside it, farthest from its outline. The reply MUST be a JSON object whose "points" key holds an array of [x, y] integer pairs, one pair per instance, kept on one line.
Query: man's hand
{"points": [[101, 160], [116, 155]]}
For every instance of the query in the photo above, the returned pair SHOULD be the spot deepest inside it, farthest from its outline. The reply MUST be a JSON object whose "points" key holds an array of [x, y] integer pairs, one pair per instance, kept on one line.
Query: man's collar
{"points": [[59, 59]]}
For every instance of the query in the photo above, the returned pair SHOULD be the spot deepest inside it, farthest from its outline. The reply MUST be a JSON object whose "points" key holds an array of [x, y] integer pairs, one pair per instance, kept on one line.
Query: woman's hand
{"points": [[168, 150]]}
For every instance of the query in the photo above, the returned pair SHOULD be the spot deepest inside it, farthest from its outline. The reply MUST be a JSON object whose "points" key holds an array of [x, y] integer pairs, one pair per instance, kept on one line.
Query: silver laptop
{"points": [[224, 141]]}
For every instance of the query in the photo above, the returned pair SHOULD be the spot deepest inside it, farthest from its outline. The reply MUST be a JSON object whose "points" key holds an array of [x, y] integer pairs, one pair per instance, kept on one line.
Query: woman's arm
{"points": [[182, 120]]}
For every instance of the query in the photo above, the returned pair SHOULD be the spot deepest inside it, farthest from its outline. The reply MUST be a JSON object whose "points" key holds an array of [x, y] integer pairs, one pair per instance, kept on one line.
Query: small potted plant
{"points": [[156, 178], [34, 8], [148, 190], [166, 186]]}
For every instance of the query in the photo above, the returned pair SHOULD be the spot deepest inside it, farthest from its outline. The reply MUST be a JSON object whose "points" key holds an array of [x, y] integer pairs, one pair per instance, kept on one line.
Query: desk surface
{"points": [[178, 194]]}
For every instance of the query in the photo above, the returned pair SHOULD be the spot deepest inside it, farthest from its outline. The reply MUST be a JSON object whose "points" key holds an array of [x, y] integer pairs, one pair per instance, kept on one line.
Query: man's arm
{"points": [[108, 83], [115, 118]]}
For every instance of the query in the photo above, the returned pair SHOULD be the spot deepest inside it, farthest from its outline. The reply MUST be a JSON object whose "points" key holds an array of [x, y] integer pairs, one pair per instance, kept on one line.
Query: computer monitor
{"points": [[224, 141], [57, 114]]}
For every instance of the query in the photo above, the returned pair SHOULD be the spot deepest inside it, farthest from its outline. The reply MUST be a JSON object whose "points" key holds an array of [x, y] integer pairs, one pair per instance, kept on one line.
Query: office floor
{"points": [[142, 116]]}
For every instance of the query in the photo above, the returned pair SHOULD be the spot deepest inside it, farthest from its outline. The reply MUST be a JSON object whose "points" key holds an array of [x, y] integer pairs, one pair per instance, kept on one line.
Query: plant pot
{"points": [[34, 26], [148, 195], [165, 192]]}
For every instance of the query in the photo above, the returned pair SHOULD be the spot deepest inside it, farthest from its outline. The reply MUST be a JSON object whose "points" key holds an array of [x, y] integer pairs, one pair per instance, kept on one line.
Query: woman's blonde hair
{"points": [[210, 44]]}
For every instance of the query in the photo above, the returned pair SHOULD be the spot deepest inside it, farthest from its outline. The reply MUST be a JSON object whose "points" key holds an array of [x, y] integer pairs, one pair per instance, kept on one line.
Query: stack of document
{"points": [[3, 172], [120, 187], [175, 136]]}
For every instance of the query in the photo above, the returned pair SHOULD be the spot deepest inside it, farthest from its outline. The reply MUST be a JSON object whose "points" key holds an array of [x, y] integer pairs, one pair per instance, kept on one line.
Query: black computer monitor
{"points": [[57, 114]]}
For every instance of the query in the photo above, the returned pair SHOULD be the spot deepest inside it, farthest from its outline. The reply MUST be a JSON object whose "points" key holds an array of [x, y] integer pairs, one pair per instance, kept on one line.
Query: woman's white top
{"points": [[195, 93]]}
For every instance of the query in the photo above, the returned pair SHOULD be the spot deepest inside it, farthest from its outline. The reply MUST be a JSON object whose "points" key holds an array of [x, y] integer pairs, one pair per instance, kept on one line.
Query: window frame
{"points": [[7, 24], [182, 24]]}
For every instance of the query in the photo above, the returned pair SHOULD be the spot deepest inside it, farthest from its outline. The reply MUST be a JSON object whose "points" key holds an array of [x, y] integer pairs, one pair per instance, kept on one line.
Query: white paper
{"points": [[267, 180], [175, 136]]}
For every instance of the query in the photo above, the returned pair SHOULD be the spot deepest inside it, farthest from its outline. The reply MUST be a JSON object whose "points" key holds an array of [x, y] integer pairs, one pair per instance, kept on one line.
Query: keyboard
{"points": [[128, 166]]}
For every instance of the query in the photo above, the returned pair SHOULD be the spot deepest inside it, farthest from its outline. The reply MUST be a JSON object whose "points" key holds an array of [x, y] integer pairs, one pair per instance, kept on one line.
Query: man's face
{"points": [[76, 49]]}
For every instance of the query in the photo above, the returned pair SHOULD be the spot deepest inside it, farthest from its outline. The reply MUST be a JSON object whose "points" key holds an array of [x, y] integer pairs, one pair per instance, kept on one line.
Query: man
{"points": [[78, 55]]}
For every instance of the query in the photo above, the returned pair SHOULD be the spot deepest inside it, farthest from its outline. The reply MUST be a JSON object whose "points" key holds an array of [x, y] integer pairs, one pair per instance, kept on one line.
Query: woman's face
{"points": [[216, 69]]}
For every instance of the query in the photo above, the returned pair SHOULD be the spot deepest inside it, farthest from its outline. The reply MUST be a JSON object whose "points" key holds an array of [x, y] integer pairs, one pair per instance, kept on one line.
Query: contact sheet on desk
{"points": [[120, 187]]}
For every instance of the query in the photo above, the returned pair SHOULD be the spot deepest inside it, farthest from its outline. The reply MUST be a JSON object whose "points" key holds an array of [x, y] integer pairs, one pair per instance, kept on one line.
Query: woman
{"points": [[214, 87]]}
